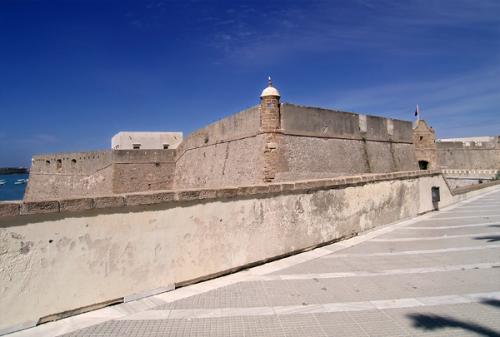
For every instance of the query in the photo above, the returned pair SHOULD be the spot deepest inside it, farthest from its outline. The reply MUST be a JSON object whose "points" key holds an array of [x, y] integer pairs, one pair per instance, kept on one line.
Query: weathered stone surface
{"points": [[275, 188], [146, 198], [454, 155], [208, 194], [74, 205], [149, 198], [227, 193], [100, 256], [39, 207], [187, 195], [90, 174], [9, 208], [287, 187], [109, 201]]}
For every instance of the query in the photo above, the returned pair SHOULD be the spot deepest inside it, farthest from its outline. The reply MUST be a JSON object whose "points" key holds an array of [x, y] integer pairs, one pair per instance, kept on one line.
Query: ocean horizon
{"points": [[10, 190]]}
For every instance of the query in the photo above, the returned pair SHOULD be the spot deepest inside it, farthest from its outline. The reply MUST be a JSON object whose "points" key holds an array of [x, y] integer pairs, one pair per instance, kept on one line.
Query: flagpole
{"points": [[418, 113]]}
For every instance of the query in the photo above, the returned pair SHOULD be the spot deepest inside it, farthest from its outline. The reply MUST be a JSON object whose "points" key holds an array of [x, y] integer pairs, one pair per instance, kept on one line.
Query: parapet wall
{"points": [[70, 174], [319, 143], [85, 251], [78, 163], [469, 155], [97, 173]]}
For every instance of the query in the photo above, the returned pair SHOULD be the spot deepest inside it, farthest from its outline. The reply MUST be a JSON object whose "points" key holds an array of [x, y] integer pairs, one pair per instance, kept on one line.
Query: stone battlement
{"points": [[19, 208]]}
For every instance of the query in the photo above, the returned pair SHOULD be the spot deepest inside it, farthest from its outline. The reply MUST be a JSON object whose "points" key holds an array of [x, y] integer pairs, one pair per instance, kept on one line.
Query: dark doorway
{"points": [[423, 164]]}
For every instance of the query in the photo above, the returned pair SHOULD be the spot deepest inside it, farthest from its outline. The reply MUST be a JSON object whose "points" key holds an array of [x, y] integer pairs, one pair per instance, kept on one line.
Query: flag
{"points": [[417, 112]]}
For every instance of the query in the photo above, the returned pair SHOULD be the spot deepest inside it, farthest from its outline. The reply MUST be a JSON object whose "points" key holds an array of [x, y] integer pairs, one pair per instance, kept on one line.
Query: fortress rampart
{"points": [[99, 173], [71, 255], [467, 155], [320, 143], [305, 143], [270, 142], [225, 153]]}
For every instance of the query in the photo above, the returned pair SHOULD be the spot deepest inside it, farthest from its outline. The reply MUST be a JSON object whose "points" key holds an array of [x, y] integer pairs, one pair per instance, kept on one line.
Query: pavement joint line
{"points": [[494, 213], [431, 238], [396, 303], [77, 322], [387, 272], [482, 224], [468, 217], [415, 252]]}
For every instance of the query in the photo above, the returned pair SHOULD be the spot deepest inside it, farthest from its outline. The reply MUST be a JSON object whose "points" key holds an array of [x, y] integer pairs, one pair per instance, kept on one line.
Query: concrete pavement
{"points": [[436, 275]]}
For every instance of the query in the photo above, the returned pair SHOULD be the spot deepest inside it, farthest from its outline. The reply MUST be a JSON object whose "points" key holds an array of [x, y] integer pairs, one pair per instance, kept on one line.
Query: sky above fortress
{"points": [[73, 73]]}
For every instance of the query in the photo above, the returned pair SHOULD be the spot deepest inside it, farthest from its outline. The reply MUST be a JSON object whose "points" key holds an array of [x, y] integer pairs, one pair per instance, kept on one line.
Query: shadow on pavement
{"points": [[489, 238], [434, 322], [493, 303]]}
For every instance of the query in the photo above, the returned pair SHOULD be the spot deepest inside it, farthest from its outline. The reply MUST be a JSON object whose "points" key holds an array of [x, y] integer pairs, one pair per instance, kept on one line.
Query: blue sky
{"points": [[73, 73]]}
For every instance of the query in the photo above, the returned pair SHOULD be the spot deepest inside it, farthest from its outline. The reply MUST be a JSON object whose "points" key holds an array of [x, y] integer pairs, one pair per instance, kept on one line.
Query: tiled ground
{"points": [[437, 276]]}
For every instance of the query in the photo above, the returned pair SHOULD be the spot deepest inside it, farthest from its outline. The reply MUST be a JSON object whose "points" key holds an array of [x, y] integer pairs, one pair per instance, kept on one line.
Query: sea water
{"points": [[11, 191]]}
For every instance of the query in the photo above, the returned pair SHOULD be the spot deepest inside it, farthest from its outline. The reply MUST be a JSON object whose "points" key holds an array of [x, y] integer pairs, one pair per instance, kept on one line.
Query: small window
{"points": [[73, 161], [165, 146], [136, 146], [47, 162], [59, 164], [421, 137]]}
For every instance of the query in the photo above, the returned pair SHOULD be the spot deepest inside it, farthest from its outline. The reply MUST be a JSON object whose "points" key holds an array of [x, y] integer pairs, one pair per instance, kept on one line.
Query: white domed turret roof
{"points": [[270, 90]]}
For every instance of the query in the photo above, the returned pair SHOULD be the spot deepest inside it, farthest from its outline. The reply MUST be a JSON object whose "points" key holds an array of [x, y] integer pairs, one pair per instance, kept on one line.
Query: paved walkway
{"points": [[436, 275]]}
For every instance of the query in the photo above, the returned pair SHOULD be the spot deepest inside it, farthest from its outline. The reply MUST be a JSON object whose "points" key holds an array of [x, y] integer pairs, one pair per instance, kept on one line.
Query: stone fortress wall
{"points": [[83, 174], [67, 174], [265, 143], [269, 142], [424, 140], [464, 154], [224, 153], [317, 143], [469, 155], [306, 143], [463, 161]]}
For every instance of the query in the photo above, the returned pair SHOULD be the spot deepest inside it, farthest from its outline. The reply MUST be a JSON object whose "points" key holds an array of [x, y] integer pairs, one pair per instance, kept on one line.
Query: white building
{"points": [[125, 140]]}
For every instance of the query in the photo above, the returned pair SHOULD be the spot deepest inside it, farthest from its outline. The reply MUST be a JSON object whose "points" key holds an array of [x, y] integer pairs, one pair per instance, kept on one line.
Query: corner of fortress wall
{"points": [[295, 142], [455, 155]]}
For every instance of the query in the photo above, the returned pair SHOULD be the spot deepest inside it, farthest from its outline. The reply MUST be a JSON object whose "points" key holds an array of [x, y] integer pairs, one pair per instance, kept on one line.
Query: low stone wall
{"points": [[61, 255], [458, 178], [472, 189]]}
